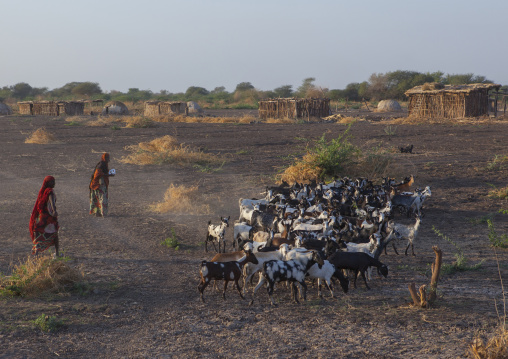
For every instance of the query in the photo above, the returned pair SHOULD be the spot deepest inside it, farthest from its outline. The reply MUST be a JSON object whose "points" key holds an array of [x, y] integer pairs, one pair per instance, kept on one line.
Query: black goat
{"points": [[408, 149], [358, 262]]}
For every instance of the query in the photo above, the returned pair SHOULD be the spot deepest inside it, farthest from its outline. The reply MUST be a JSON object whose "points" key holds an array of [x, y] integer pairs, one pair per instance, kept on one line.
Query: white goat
{"points": [[408, 232]]}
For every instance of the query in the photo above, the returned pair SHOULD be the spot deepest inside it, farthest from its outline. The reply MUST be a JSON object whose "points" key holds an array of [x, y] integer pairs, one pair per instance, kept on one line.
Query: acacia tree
{"points": [[86, 89]]}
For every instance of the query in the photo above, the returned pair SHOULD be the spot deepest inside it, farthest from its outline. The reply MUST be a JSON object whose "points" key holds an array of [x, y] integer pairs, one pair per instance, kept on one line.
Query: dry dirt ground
{"points": [[144, 300]]}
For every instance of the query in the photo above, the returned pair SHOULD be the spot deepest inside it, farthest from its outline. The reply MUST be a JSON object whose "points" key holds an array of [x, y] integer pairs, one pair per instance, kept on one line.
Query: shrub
{"points": [[495, 239], [48, 324], [171, 241], [182, 199]]}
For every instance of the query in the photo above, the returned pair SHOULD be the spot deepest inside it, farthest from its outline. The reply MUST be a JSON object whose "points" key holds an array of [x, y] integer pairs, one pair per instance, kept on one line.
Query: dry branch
{"points": [[422, 299]]}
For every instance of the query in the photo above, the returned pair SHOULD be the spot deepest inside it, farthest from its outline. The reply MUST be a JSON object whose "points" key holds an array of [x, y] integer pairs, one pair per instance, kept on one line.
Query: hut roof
{"points": [[451, 88]]}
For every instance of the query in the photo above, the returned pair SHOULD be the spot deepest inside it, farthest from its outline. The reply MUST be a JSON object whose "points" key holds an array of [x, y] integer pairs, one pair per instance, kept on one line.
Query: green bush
{"points": [[172, 241], [48, 324]]}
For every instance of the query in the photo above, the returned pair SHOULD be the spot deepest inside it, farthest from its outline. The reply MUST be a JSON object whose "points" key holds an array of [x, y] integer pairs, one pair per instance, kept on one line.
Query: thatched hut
{"points": [[5, 109], [72, 108], [25, 108], [46, 108], [449, 101], [388, 106], [157, 108], [294, 108], [115, 108]]}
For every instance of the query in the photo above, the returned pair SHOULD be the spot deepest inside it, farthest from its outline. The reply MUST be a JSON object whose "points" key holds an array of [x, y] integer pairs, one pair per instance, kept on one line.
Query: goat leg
{"points": [[224, 291], [238, 288], [362, 272], [394, 248]]}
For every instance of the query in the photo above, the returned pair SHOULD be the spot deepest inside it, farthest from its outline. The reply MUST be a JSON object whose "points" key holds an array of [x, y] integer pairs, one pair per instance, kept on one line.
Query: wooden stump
{"points": [[422, 299]]}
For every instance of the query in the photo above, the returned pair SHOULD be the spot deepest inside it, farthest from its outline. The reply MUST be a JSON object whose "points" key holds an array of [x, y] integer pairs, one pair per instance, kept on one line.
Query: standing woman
{"points": [[44, 220], [99, 187]]}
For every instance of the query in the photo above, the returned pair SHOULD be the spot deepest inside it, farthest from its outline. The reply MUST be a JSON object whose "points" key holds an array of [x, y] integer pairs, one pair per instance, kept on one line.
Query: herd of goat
{"points": [[317, 231]]}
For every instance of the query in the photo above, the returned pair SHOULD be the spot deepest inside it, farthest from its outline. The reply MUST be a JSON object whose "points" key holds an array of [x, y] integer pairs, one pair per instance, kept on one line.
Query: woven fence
{"points": [[294, 108], [157, 108]]}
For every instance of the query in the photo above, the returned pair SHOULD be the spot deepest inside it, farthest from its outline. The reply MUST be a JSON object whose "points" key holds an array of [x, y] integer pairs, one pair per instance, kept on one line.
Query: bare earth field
{"points": [[144, 300]]}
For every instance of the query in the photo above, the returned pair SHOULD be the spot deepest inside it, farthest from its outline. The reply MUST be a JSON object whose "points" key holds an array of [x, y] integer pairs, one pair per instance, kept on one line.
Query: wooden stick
{"points": [[436, 270], [414, 294]]}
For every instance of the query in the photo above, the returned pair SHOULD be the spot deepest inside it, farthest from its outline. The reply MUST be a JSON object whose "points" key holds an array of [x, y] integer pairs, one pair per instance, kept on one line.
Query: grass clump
{"points": [[41, 136], [495, 239], [137, 122], [166, 149], [460, 264], [172, 241], [498, 163], [327, 159], [181, 199], [500, 193], [40, 275], [48, 324]]}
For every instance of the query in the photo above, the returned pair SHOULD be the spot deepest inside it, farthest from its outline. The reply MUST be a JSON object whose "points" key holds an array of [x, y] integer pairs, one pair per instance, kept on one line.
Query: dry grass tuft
{"points": [[281, 120], [303, 171], [41, 136], [137, 122], [40, 275], [501, 193], [495, 347], [182, 199], [102, 121], [166, 149]]}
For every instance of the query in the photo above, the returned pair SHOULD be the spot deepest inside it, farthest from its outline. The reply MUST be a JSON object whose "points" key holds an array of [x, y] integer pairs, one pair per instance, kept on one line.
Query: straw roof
{"points": [[426, 89]]}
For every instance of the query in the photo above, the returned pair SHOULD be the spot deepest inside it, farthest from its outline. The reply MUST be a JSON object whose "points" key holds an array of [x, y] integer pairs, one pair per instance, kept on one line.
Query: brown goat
{"points": [[404, 186], [226, 271]]}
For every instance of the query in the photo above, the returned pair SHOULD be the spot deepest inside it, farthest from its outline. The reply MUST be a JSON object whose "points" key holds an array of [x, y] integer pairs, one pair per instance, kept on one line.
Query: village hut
{"points": [[25, 108], [45, 108], [5, 109], [449, 101], [115, 108], [193, 107], [388, 106], [71, 108], [294, 108], [158, 108]]}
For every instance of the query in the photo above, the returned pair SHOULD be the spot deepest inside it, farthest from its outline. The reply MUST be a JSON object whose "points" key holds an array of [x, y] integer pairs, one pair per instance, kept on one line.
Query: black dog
{"points": [[408, 149]]}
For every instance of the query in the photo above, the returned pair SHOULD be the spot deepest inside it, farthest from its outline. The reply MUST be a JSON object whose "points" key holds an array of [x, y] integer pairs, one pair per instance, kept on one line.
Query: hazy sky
{"points": [[171, 45]]}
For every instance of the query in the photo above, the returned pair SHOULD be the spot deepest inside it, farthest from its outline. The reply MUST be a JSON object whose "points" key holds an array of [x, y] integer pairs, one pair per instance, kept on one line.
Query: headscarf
{"points": [[40, 206]]}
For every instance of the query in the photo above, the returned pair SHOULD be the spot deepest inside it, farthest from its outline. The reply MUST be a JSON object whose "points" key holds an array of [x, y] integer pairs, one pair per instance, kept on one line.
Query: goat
{"points": [[408, 149], [403, 231], [227, 271], [250, 268], [358, 262], [216, 233], [242, 232], [405, 185], [292, 270], [325, 273]]}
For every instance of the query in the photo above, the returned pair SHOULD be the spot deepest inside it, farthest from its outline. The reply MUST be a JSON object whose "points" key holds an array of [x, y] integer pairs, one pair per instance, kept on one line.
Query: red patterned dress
{"points": [[99, 187], [44, 220]]}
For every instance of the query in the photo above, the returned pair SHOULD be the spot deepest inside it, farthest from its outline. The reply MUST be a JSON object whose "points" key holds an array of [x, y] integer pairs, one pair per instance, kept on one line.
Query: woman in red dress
{"points": [[99, 187], [44, 220]]}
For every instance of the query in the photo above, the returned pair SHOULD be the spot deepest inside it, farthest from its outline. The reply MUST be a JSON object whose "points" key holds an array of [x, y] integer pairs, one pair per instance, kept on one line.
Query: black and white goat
{"points": [[292, 270], [217, 233], [226, 271]]}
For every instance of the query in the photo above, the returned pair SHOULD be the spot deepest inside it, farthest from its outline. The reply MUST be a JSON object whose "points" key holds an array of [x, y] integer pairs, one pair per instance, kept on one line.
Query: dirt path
{"points": [[144, 301]]}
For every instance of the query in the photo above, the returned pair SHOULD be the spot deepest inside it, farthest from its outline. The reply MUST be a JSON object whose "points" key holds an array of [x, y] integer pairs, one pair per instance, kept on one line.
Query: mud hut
{"points": [[72, 108], [5, 109], [294, 108], [45, 108], [25, 108], [449, 101], [115, 108], [157, 108], [388, 106], [193, 107]]}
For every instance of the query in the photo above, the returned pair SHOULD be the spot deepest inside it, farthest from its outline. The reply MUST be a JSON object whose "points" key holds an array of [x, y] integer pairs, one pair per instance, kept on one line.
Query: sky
{"points": [[172, 45]]}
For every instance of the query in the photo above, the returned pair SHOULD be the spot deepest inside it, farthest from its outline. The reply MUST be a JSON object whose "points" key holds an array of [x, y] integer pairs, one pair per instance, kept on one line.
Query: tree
{"points": [[21, 90], [244, 86], [306, 85], [86, 89], [218, 89], [195, 91], [284, 91]]}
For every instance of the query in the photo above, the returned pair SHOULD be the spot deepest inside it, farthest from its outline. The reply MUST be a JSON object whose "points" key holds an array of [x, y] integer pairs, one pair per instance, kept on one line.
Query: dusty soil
{"points": [[144, 301]]}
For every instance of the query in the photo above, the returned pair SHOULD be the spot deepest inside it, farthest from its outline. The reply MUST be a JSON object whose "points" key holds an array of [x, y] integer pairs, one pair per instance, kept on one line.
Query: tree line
{"points": [[390, 85]]}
